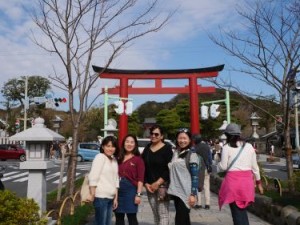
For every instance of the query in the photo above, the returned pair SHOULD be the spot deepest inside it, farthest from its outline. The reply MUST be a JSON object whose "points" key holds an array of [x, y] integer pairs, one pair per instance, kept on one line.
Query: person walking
{"points": [[104, 181], [156, 156], [131, 173], [184, 169], [238, 159], [203, 149]]}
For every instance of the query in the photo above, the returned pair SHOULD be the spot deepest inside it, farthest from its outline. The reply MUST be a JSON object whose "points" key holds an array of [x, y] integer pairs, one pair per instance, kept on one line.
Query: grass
{"points": [[285, 199], [80, 215]]}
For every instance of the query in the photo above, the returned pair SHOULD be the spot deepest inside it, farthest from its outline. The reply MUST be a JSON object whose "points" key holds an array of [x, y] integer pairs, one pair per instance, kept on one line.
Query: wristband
{"points": [[139, 194], [258, 182]]}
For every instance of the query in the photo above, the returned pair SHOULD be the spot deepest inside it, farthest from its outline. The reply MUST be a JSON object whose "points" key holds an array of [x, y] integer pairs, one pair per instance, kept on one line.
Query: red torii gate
{"points": [[193, 88]]}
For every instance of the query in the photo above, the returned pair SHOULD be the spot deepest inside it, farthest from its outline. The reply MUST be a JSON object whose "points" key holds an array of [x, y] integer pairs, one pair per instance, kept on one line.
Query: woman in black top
{"points": [[156, 156]]}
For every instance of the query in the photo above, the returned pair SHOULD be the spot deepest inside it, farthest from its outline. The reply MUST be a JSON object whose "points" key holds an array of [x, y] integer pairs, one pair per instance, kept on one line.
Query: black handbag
{"points": [[163, 192]]}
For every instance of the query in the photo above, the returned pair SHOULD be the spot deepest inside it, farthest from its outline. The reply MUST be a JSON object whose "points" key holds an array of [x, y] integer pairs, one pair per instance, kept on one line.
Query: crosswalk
{"points": [[53, 176]]}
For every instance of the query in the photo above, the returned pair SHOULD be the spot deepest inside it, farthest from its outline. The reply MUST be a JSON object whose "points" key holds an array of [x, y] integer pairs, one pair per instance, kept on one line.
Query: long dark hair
{"points": [[123, 150], [114, 142], [232, 140]]}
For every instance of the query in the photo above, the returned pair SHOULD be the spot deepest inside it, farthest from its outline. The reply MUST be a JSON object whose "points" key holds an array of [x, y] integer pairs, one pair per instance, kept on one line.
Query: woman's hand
{"points": [[192, 200], [115, 203], [149, 188], [137, 200], [155, 186], [260, 189], [90, 198]]}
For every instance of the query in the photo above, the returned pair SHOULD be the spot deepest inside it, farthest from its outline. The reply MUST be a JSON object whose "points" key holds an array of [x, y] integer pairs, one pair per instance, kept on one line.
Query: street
{"points": [[16, 180]]}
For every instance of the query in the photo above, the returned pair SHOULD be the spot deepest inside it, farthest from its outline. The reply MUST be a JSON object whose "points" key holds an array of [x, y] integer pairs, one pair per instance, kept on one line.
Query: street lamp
{"points": [[254, 122]]}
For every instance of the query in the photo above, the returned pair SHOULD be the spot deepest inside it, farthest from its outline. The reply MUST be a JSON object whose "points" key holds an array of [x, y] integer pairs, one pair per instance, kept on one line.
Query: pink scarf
{"points": [[238, 187]]}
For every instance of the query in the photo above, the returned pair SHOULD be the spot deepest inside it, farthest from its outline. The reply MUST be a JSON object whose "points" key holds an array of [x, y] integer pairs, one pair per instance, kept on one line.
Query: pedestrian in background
{"points": [[203, 149], [156, 156], [237, 189], [131, 173], [104, 181], [184, 169]]}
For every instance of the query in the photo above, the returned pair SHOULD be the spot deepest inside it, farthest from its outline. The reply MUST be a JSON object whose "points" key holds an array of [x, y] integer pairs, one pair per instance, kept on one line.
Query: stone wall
{"points": [[264, 208]]}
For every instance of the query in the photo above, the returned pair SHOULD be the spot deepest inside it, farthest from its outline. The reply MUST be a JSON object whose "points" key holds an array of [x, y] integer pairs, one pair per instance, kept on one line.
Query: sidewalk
{"points": [[198, 216]]}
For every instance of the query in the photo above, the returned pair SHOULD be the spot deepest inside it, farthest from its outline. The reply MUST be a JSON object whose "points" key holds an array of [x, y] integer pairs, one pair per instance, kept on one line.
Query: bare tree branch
{"points": [[269, 51], [75, 30]]}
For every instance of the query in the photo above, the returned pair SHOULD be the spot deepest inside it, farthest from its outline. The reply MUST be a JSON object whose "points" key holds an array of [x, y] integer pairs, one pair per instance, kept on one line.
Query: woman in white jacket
{"points": [[104, 181]]}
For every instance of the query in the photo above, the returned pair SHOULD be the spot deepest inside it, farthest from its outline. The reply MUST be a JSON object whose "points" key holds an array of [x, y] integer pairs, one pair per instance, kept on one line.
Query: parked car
{"points": [[296, 160], [87, 151], [142, 142], [12, 151]]}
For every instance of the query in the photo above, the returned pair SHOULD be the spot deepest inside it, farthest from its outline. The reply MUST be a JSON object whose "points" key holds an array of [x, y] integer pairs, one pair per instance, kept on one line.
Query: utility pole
{"points": [[26, 102]]}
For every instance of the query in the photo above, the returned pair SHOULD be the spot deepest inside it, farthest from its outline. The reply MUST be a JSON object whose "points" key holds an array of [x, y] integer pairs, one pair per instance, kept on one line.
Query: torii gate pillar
{"points": [[194, 106], [123, 122]]}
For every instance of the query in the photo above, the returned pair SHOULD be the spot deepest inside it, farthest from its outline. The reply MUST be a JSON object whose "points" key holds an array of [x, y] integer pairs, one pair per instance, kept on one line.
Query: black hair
{"points": [[232, 140], [156, 126], [161, 130], [123, 151], [197, 138], [114, 142]]}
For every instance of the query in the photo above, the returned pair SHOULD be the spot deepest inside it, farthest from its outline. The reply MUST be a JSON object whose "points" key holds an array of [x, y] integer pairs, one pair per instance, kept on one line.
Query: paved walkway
{"points": [[198, 216]]}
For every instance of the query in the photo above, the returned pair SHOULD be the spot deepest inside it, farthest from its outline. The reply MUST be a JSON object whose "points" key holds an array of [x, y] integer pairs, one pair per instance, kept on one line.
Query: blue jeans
{"points": [[239, 215], [103, 211]]}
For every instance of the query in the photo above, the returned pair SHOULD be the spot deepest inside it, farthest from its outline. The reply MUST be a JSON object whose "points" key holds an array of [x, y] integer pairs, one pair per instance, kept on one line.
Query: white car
{"points": [[142, 142]]}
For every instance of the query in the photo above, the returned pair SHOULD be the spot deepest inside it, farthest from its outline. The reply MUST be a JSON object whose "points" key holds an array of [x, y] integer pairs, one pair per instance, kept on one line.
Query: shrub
{"points": [[15, 210]]}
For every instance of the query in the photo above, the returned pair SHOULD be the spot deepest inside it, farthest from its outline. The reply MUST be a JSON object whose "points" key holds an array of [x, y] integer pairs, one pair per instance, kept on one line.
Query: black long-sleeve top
{"points": [[156, 163]]}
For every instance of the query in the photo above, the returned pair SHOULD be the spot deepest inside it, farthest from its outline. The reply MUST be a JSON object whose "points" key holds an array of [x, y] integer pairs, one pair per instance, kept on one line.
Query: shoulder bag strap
{"points": [[236, 157]]}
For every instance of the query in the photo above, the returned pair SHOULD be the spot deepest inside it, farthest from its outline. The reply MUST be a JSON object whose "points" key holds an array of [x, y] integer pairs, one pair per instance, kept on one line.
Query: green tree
{"points": [[14, 89], [170, 122], [92, 124], [134, 124], [183, 111], [13, 92]]}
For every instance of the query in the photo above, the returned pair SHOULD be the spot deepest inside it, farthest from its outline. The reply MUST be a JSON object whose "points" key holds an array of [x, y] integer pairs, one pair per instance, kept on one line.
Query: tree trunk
{"points": [[288, 146], [72, 165]]}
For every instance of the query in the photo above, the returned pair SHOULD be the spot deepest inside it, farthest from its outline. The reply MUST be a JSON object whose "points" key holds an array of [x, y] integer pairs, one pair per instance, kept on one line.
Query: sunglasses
{"points": [[154, 134], [183, 130]]}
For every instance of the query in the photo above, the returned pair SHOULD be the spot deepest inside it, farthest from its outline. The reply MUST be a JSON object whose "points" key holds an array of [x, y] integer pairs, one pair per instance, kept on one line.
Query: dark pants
{"points": [[132, 220], [182, 216], [239, 215]]}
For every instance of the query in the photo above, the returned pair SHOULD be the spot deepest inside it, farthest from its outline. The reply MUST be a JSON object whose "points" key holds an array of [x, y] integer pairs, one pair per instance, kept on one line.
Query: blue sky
{"points": [[182, 44]]}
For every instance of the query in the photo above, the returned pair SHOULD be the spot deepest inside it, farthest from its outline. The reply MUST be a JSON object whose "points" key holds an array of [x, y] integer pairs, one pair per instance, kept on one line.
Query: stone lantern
{"points": [[254, 123], [222, 128], [111, 127], [37, 139], [57, 123]]}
